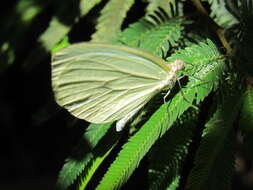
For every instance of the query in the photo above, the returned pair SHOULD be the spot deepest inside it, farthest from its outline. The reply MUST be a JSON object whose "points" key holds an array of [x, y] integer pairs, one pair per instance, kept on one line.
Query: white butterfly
{"points": [[102, 83]]}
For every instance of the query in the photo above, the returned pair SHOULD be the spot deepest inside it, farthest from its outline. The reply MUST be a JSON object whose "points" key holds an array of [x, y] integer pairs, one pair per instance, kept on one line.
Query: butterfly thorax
{"points": [[172, 76]]}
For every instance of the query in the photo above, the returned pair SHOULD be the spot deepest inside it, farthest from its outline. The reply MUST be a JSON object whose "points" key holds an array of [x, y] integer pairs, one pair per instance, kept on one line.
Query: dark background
{"points": [[36, 134]]}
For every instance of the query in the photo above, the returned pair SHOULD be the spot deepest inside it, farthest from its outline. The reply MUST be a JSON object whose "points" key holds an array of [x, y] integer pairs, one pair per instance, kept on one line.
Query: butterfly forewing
{"points": [[102, 83]]}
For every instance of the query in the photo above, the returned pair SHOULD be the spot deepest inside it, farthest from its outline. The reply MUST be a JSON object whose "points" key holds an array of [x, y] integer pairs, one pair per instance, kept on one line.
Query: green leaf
{"points": [[55, 32], [246, 121], [57, 29], [204, 66], [138, 145], [15, 26], [156, 38], [167, 156], [169, 6], [110, 20], [244, 36], [61, 44], [28, 10], [214, 161], [97, 160], [221, 15], [75, 165]]}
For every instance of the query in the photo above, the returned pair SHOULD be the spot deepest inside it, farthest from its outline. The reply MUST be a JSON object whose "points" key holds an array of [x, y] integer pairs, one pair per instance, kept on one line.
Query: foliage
{"points": [[200, 113], [221, 15], [217, 143], [105, 32], [243, 40], [156, 38], [164, 171], [75, 165]]}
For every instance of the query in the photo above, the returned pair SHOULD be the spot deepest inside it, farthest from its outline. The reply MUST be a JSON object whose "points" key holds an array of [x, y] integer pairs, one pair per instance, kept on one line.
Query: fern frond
{"points": [[28, 10], [14, 28], [205, 64], [214, 161], [86, 6], [171, 7], [75, 165], [99, 155], [221, 15], [242, 10], [15, 25], [156, 38], [139, 144], [110, 20], [246, 121], [56, 31], [168, 153], [245, 37]]}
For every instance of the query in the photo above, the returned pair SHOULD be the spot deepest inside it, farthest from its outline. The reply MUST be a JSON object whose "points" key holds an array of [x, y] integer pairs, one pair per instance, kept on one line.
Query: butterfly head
{"points": [[177, 65]]}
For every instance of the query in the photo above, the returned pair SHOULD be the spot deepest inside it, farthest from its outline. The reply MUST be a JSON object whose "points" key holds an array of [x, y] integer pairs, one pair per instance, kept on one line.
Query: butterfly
{"points": [[102, 83]]}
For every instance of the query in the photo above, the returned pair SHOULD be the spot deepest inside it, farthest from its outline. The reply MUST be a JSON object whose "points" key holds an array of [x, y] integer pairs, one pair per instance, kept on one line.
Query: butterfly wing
{"points": [[102, 83]]}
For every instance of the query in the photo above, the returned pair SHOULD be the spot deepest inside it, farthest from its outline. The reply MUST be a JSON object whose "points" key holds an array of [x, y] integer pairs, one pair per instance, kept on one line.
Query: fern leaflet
{"points": [[156, 38], [96, 161], [246, 121], [75, 165], [169, 6], [55, 33], [167, 155], [139, 144], [221, 15], [214, 160], [110, 20]]}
